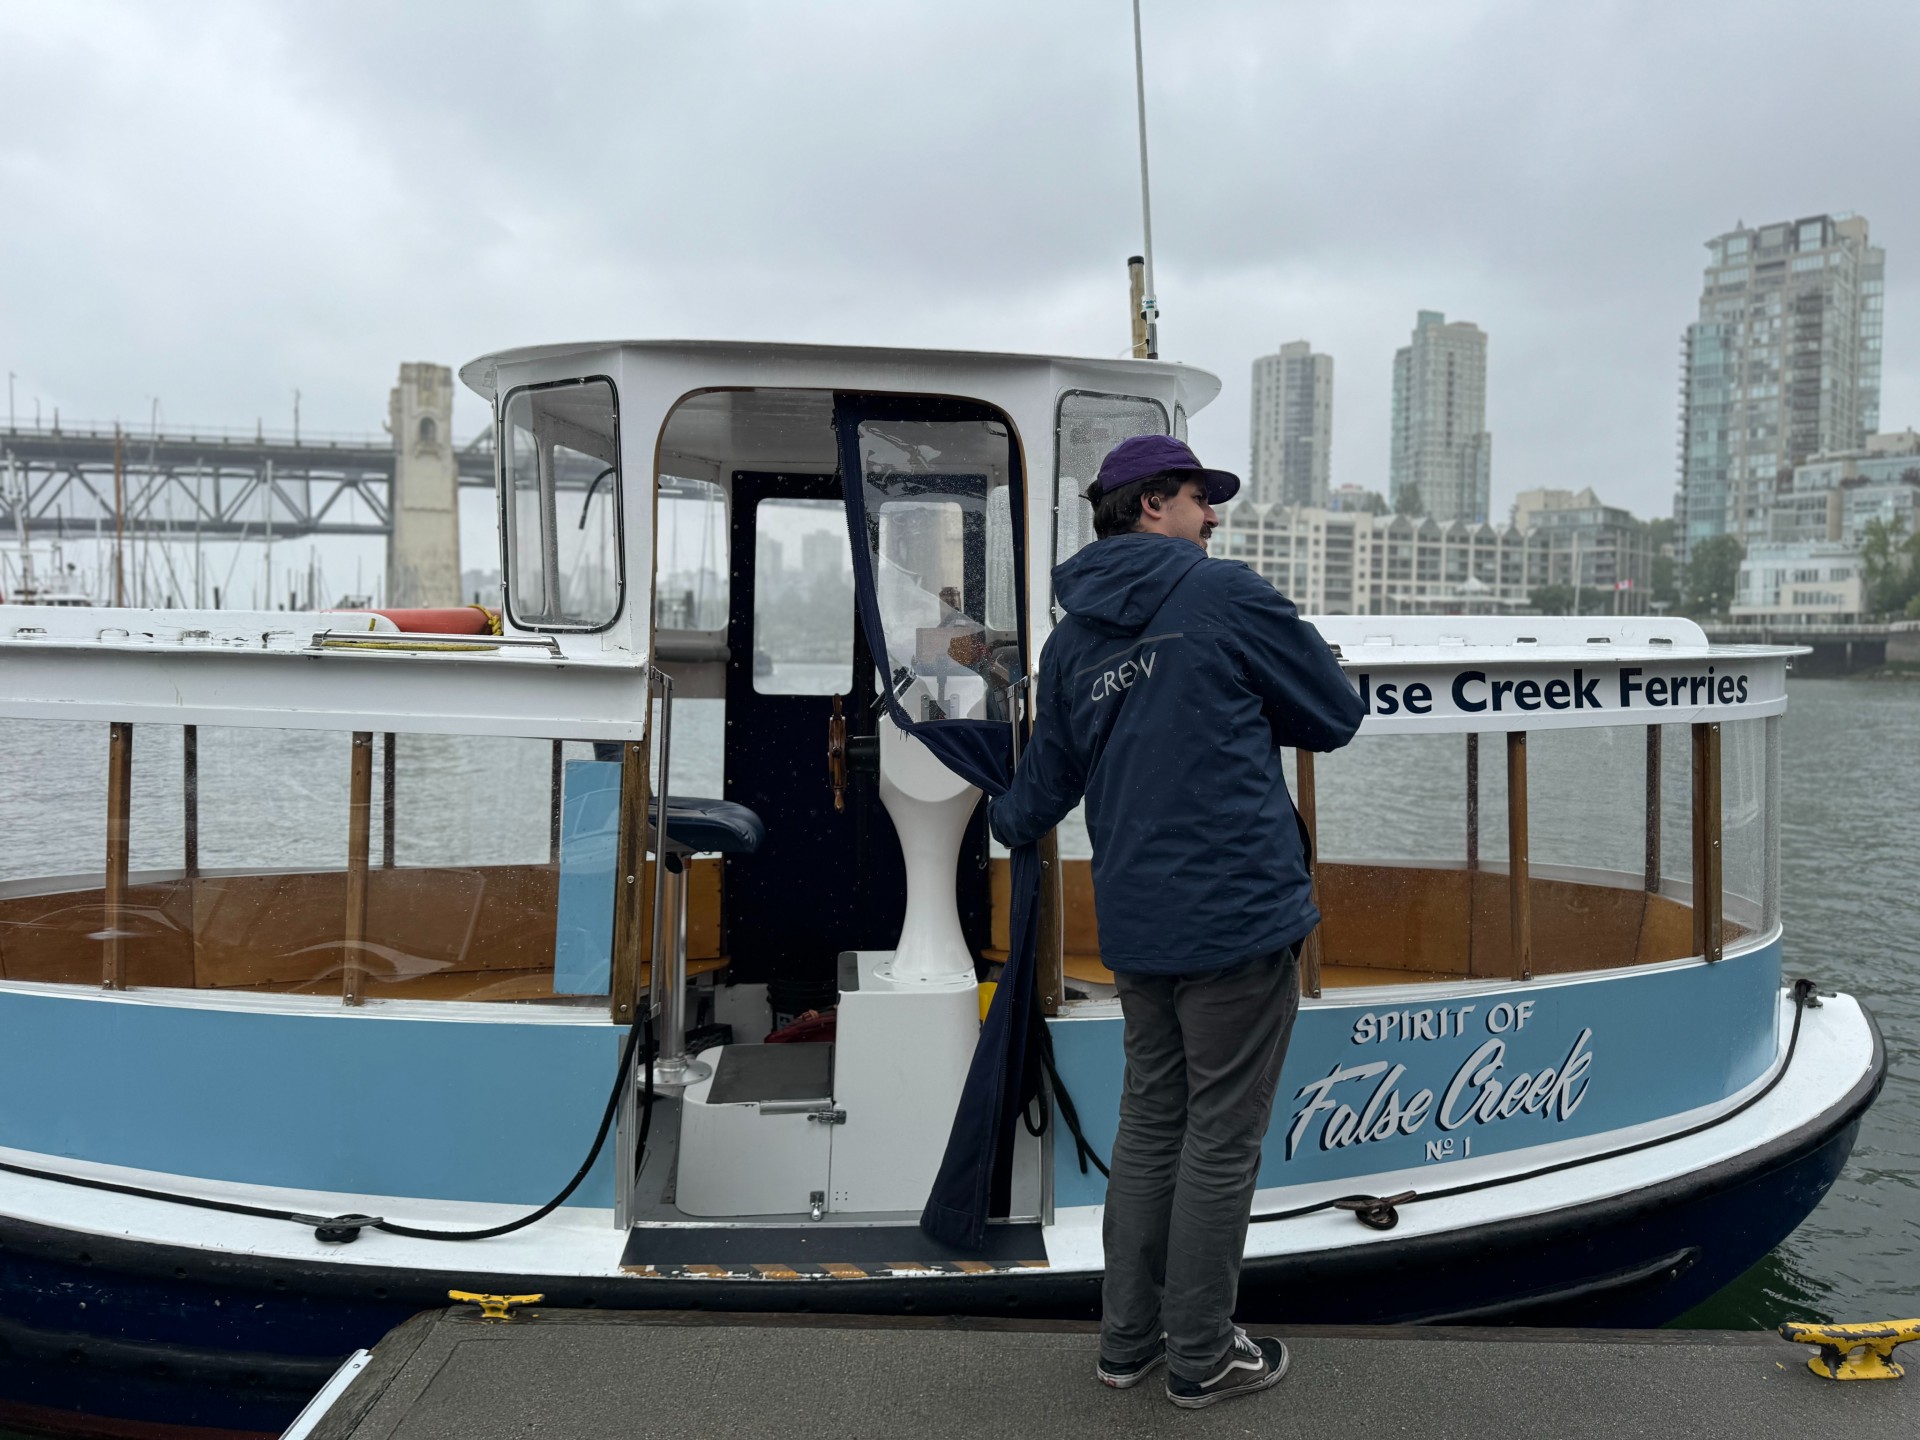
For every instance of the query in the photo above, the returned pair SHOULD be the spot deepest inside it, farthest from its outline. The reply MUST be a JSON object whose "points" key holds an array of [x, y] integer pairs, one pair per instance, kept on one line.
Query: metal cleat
{"points": [[494, 1307], [1854, 1352]]}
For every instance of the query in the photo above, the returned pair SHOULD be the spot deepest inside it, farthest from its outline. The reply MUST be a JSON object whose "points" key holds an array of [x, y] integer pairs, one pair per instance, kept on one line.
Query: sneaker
{"points": [[1126, 1376], [1249, 1365]]}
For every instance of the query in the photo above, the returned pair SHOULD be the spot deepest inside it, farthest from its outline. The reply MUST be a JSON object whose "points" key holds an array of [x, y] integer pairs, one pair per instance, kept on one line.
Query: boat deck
{"points": [[597, 1373]]}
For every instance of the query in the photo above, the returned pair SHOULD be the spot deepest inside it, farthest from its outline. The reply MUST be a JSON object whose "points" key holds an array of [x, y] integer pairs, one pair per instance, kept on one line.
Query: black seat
{"points": [[698, 827]]}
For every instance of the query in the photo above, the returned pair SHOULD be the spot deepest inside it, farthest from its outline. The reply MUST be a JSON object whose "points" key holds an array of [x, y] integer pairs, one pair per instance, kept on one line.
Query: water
{"points": [[1850, 829]]}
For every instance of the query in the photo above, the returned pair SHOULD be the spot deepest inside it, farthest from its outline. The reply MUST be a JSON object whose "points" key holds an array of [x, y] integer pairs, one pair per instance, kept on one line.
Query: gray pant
{"points": [[1203, 1057]]}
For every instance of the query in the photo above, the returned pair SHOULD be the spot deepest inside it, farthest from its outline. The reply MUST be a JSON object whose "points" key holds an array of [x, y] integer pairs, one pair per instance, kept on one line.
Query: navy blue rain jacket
{"points": [[1166, 697]]}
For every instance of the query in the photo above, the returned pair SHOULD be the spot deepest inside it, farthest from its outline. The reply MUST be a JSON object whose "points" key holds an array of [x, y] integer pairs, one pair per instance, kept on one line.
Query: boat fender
{"points": [[1854, 1352]]}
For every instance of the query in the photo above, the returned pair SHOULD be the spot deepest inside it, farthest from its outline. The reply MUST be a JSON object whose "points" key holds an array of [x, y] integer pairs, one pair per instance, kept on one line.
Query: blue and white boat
{"points": [[1549, 1067]]}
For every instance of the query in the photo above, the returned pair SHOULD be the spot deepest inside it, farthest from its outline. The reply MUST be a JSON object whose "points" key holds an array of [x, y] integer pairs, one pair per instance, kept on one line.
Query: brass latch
{"points": [[494, 1307], [1854, 1352]]}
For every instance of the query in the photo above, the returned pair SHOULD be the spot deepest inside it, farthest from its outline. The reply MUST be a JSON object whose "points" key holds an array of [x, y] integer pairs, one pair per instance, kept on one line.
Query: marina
{"points": [[1550, 1069]]}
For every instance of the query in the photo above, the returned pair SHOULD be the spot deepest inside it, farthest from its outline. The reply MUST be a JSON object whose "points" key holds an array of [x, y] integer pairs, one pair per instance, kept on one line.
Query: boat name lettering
{"points": [[1478, 1092], [1474, 693], [1441, 1023]]}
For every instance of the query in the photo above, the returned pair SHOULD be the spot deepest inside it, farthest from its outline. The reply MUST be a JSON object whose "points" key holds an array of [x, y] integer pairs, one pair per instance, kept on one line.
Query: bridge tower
{"points": [[423, 555]]}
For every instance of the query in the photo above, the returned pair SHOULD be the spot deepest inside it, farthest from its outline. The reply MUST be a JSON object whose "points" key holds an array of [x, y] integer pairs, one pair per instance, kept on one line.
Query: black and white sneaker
{"points": [[1126, 1376], [1249, 1365]]}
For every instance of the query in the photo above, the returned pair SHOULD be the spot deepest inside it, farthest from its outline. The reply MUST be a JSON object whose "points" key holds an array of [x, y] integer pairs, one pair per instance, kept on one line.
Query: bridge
{"points": [[82, 480]]}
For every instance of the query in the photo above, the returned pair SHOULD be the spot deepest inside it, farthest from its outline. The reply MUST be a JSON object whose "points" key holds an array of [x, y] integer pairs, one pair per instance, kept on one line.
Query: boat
{"points": [[1549, 1066]]}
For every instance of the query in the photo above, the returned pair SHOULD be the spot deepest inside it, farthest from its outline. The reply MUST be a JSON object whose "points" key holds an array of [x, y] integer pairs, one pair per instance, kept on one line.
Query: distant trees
{"points": [[1666, 571], [1713, 572], [1409, 501], [1890, 566], [1552, 599]]}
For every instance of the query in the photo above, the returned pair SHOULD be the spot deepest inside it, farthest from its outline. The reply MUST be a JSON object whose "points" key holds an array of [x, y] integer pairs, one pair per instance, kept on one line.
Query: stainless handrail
{"points": [[667, 985], [410, 640]]}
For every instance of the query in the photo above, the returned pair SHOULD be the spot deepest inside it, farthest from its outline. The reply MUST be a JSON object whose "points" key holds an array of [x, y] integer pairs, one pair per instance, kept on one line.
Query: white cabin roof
{"points": [[835, 361]]}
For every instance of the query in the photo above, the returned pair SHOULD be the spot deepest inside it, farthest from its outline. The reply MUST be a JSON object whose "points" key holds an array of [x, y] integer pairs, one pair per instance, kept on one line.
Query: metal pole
{"points": [[1149, 305], [113, 970], [359, 823], [672, 1066]]}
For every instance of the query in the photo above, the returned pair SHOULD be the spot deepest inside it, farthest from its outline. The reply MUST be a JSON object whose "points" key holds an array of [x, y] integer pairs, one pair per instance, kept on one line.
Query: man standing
{"points": [[1167, 695]]}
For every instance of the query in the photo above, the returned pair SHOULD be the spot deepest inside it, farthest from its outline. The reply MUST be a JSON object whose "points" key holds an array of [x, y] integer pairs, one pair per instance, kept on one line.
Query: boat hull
{"points": [[248, 1339]]}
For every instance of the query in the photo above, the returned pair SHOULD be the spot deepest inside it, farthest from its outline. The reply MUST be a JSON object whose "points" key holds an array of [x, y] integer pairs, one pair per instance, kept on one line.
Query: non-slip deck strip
{"points": [[836, 1252]]}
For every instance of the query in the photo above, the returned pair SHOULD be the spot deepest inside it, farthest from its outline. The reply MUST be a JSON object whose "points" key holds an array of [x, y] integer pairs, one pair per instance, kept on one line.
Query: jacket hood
{"points": [[1117, 585]]}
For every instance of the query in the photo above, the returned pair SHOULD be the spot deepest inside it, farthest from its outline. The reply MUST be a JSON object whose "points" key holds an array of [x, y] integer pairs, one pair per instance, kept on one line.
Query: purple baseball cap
{"points": [[1146, 455]]}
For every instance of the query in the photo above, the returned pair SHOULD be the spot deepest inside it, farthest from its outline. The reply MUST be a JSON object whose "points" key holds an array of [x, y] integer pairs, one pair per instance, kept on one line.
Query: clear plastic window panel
{"points": [[803, 610], [690, 549], [1088, 427], [947, 608], [563, 506], [489, 864], [1749, 828]]}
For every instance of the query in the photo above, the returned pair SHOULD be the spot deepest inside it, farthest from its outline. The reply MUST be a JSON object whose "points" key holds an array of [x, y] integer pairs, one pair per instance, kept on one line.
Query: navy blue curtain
{"points": [[1001, 1080]]}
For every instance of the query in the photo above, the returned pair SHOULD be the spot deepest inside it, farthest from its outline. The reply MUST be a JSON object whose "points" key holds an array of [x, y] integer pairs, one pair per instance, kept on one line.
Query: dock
{"points": [[588, 1373]]}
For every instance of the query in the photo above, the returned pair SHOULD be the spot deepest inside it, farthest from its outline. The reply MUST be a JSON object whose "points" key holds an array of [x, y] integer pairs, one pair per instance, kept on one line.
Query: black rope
{"points": [[341, 1228]]}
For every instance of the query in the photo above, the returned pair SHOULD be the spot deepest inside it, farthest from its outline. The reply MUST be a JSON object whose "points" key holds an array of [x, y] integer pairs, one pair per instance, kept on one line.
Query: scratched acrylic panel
{"points": [[1749, 825]]}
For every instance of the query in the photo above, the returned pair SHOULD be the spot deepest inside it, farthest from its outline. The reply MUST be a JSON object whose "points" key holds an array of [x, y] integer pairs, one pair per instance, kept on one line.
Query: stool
{"points": [[694, 827]]}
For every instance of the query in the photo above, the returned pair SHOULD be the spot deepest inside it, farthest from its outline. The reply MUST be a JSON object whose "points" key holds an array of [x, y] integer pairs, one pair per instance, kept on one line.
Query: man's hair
{"points": [[1118, 511]]}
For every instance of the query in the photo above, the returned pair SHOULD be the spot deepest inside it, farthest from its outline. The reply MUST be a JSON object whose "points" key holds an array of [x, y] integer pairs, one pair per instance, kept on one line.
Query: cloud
{"points": [[218, 203]]}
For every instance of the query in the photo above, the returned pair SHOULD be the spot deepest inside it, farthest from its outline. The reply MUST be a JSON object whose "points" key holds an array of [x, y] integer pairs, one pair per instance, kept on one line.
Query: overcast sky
{"points": [[214, 204]]}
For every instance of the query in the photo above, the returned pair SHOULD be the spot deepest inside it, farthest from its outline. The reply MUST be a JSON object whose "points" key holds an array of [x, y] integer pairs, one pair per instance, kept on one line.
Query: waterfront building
{"points": [[1806, 582], [1832, 497], [1440, 439], [1782, 364], [1594, 548], [1331, 562], [1292, 426]]}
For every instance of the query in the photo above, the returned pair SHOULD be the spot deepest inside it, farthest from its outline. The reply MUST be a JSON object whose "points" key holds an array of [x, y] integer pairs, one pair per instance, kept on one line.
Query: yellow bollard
{"points": [[494, 1307], [1854, 1352]]}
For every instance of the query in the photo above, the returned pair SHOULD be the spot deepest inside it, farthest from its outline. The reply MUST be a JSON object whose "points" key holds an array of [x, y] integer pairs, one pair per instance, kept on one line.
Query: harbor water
{"points": [[1849, 803]]}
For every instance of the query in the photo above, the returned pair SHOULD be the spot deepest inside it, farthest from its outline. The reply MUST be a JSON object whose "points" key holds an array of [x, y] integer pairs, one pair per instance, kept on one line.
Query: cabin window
{"points": [[690, 544], [942, 546], [560, 460], [802, 598], [1085, 429]]}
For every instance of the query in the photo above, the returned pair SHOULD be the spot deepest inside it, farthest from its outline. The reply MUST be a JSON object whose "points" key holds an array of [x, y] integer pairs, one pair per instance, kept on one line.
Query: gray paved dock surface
{"points": [[598, 1374]]}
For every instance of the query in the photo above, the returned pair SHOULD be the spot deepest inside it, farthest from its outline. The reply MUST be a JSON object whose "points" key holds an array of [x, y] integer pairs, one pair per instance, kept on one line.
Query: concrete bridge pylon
{"points": [[423, 553]]}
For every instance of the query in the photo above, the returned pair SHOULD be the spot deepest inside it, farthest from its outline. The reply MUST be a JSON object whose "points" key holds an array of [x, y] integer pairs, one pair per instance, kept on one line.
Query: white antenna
{"points": [[1149, 306]]}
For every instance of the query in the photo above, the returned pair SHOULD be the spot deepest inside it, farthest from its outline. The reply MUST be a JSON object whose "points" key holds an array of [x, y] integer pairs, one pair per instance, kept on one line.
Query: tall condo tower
{"points": [[1440, 439], [1292, 427], [1783, 363]]}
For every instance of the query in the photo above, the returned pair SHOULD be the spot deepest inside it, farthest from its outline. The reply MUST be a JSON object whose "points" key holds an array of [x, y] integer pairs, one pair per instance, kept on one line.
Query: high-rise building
{"points": [[1292, 426], [1440, 439], [1783, 364]]}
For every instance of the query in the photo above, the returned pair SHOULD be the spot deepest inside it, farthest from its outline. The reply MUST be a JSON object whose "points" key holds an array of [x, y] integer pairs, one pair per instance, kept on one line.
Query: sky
{"points": [[214, 204]]}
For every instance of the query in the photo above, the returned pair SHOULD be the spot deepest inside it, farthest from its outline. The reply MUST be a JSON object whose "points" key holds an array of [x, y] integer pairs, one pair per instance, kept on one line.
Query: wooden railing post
{"points": [[1473, 800], [386, 801], [113, 966], [632, 900], [1708, 936], [359, 835], [190, 800], [1519, 894], [1310, 948], [1653, 809]]}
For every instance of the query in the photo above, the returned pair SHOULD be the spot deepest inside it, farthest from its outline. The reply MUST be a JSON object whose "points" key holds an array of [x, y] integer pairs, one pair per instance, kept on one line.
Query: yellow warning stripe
{"points": [[777, 1272], [843, 1272]]}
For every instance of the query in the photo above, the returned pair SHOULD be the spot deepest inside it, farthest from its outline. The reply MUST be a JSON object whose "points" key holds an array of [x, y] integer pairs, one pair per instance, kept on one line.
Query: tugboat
{"points": [[1548, 1067]]}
